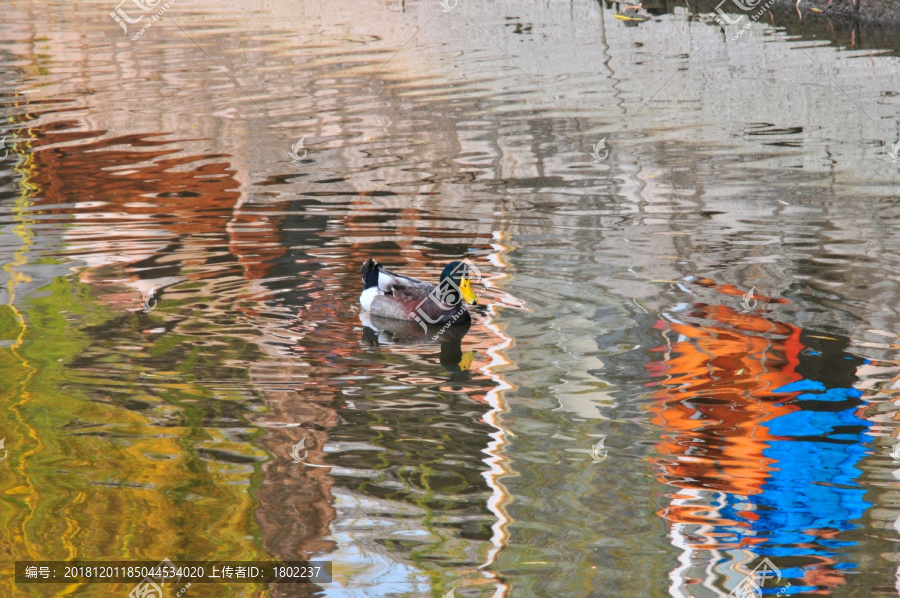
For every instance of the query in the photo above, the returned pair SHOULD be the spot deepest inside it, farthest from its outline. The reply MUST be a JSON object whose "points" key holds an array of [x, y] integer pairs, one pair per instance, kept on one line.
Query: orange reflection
{"points": [[717, 396], [717, 409]]}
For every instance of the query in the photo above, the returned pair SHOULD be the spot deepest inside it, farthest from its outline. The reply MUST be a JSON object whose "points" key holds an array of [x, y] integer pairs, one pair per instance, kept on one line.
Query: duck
{"points": [[393, 295]]}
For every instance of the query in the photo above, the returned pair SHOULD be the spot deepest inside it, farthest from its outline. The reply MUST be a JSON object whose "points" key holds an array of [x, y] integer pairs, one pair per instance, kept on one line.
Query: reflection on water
{"points": [[763, 435], [612, 297]]}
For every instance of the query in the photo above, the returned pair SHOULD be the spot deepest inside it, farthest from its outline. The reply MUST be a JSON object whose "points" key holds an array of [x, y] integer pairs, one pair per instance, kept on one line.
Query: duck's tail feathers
{"points": [[370, 270]]}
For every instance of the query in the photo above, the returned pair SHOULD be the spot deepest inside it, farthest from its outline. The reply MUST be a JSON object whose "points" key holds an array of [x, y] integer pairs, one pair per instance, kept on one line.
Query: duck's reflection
{"points": [[378, 330]]}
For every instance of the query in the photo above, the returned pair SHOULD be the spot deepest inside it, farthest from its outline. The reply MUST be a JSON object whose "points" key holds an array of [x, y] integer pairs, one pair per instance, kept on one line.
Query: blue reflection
{"points": [[812, 492]]}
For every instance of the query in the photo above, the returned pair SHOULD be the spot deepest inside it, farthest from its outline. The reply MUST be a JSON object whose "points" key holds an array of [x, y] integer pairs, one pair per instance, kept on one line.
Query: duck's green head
{"points": [[458, 274]]}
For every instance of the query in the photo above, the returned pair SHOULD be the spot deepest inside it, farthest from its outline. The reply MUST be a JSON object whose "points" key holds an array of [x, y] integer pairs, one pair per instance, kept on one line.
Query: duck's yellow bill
{"points": [[465, 287]]}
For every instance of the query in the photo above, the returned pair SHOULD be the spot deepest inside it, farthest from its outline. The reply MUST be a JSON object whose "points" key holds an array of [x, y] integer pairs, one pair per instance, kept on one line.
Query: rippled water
{"points": [[685, 359]]}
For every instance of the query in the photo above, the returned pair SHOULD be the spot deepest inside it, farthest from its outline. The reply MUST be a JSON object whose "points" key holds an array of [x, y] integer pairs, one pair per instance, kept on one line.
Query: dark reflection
{"points": [[378, 330], [840, 26], [408, 436], [763, 435], [397, 414]]}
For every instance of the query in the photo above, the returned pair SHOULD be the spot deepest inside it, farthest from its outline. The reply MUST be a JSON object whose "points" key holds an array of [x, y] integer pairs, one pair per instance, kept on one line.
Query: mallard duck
{"points": [[393, 295]]}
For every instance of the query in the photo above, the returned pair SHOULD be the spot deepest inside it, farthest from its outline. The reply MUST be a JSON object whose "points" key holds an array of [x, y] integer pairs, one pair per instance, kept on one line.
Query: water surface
{"points": [[685, 358]]}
